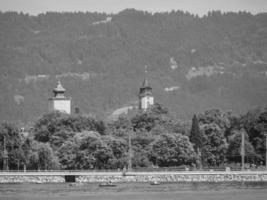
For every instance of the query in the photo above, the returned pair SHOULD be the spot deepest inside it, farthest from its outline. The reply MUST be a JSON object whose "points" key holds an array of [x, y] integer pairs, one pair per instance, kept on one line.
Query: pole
{"points": [[266, 151], [199, 159], [5, 155], [130, 152], [242, 149]]}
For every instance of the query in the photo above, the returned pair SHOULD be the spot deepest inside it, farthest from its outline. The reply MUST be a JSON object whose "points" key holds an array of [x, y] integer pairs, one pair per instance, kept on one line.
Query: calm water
{"points": [[129, 191]]}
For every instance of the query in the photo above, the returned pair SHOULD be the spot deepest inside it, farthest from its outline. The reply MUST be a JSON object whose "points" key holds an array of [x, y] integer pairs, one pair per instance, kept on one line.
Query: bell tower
{"points": [[59, 102], [146, 98]]}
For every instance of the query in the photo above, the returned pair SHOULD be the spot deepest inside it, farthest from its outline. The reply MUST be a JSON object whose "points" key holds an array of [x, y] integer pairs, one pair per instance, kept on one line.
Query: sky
{"points": [[199, 7]]}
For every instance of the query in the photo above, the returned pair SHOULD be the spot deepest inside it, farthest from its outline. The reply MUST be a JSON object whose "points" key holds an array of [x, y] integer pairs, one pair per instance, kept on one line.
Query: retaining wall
{"points": [[31, 179], [136, 177], [177, 178]]}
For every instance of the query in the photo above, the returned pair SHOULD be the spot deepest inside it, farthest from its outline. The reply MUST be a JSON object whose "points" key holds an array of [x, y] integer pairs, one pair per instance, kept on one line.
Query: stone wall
{"points": [[31, 179], [177, 178], [144, 177]]}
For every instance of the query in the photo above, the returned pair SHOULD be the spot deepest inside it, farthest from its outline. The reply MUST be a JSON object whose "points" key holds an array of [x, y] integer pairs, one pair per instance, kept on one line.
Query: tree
{"points": [[103, 156], [234, 148], [59, 137], [216, 116], [119, 148], [67, 154], [120, 127], [13, 141], [172, 150], [47, 159], [254, 123], [46, 126], [42, 157], [86, 150], [142, 148], [155, 116], [214, 144], [88, 143], [27, 151], [261, 127], [195, 135], [56, 127]]}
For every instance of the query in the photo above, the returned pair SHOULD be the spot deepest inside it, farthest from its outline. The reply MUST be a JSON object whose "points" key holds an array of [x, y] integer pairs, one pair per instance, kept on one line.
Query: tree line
{"points": [[61, 141]]}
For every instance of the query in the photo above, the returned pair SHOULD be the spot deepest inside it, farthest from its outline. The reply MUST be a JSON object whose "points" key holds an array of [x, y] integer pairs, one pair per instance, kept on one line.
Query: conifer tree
{"points": [[195, 135]]}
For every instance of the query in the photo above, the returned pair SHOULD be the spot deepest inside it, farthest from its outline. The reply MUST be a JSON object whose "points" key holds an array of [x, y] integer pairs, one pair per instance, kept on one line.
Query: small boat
{"points": [[76, 184], [108, 184], [154, 183]]}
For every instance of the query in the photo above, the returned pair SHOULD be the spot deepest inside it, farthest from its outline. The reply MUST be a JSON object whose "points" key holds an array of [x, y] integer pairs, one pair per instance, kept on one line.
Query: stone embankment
{"points": [[31, 179], [92, 177], [172, 178]]}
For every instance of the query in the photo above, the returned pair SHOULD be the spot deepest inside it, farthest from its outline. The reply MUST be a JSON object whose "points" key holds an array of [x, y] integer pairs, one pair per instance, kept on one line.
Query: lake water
{"points": [[130, 191]]}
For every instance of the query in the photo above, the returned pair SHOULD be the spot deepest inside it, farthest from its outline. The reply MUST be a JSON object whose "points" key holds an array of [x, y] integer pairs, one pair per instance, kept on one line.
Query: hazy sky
{"points": [[112, 6]]}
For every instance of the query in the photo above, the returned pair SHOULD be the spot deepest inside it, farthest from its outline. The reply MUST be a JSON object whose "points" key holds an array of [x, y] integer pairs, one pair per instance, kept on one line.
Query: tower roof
{"points": [[145, 89], [145, 82], [59, 88]]}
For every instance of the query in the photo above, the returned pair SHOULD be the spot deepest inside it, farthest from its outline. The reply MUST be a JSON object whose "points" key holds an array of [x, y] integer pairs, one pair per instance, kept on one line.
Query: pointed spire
{"points": [[145, 83], [59, 90], [59, 87], [145, 89]]}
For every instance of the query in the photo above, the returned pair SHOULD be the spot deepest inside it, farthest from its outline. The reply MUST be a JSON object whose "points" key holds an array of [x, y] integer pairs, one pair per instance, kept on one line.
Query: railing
{"points": [[161, 169]]}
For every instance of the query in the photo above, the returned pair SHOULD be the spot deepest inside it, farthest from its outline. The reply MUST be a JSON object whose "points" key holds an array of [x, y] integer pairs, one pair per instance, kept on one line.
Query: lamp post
{"points": [[130, 151]]}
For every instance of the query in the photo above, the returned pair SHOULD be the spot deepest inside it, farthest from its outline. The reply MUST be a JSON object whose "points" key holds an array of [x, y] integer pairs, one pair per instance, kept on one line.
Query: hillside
{"points": [[219, 60]]}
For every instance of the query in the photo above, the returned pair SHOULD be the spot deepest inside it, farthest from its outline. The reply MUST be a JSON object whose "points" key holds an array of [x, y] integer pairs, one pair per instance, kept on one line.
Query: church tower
{"points": [[145, 94], [59, 102]]}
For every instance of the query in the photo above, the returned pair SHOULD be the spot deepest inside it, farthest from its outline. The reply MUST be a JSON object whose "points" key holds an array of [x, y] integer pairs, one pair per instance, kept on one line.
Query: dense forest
{"points": [[194, 63], [61, 141]]}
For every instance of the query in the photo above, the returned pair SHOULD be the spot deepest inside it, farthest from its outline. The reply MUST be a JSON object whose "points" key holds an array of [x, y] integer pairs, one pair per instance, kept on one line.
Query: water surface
{"points": [[131, 191]]}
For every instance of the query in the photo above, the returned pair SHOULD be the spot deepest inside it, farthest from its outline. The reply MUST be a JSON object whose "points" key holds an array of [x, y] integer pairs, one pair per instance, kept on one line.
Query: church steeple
{"points": [[59, 102], [59, 90], [145, 94], [145, 82]]}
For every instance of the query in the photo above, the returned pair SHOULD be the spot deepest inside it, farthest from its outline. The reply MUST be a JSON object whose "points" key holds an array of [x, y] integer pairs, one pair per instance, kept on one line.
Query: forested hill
{"points": [[194, 63]]}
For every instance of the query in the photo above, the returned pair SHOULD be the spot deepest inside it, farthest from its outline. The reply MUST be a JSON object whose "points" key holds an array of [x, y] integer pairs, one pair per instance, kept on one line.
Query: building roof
{"points": [[59, 88], [145, 82]]}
